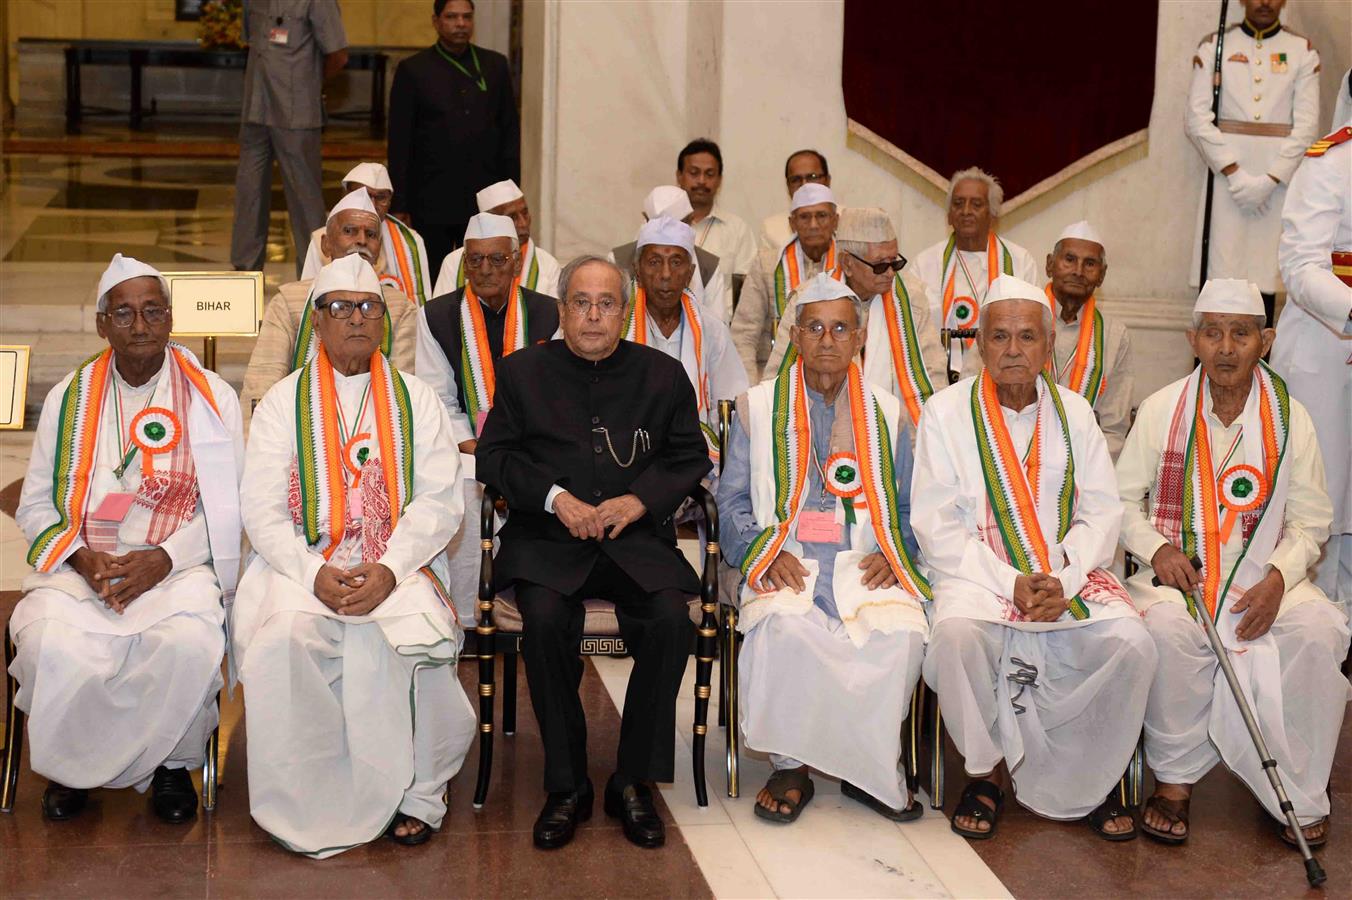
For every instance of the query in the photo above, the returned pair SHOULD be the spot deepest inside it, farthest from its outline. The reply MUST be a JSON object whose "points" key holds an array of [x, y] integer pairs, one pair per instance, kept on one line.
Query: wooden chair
{"points": [[14, 724], [499, 631]]}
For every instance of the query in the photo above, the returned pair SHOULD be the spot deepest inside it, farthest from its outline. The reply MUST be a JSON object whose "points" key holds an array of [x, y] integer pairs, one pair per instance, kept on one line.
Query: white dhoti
{"points": [[110, 698], [1192, 721], [1080, 717], [352, 719], [810, 694]]}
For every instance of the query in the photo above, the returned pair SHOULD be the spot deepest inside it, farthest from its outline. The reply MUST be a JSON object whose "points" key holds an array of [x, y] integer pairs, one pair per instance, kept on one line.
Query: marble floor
{"points": [[61, 218]]}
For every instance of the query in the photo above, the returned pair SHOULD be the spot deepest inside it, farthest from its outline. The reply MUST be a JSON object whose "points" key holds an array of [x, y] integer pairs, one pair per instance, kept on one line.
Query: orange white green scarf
{"points": [[476, 356], [961, 312], [793, 262], [1086, 369], [407, 264], [907, 362], [692, 356], [167, 496], [874, 476], [529, 275]]}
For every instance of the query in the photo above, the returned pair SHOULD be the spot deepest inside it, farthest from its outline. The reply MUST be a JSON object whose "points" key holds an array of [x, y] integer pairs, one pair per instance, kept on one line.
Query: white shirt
{"points": [[727, 237]]}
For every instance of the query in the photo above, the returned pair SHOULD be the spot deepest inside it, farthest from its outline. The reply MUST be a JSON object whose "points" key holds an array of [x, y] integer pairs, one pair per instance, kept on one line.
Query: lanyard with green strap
{"points": [[483, 85]]}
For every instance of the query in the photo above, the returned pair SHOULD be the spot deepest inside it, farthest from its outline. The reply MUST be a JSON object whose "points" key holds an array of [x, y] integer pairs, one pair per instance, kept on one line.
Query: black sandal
{"points": [[909, 813], [971, 807], [1175, 811], [1108, 810], [1284, 831], [779, 785], [408, 840]]}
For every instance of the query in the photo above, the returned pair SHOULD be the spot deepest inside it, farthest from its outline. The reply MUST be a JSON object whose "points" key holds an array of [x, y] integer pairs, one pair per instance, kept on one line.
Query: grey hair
{"points": [[1056, 251], [1260, 321], [855, 302], [995, 194], [1048, 323], [566, 276]]}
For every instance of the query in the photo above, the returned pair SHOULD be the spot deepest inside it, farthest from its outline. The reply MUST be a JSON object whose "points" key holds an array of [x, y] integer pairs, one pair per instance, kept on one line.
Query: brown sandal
{"points": [[1175, 811], [1312, 843]]}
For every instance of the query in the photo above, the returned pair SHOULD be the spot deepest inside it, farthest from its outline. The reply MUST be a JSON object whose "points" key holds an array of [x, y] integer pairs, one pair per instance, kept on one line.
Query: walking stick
{"points": [[1215, 117], [1314, 873]]}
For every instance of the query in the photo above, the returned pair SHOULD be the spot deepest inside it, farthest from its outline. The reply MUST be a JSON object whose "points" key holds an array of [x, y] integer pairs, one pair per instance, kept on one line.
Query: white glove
{"points": [[1250, 192]]}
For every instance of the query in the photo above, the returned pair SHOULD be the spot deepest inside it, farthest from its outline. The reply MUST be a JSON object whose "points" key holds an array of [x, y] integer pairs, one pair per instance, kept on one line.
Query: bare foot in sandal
{"points": [[1316, 833], [971, 823], [779, 802], [1168, 819]]}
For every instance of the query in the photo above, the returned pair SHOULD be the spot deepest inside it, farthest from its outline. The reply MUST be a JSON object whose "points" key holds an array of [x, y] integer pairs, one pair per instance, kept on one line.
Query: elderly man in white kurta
{"points": [[902, 354], [120, 631], [403, 259], [343, 635], [1037, 654], [813, 216], [1269, 114], [957, 271], [1313, 349], [539, 270], [666, 316], [832, 602], [1232, 470]]}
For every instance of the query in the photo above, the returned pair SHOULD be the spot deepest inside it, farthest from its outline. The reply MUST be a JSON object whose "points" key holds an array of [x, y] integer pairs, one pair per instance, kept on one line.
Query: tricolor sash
{"points": [[320, 503], [793, 262], [907, 362], [1192, 502], [960, 314], [167, 496], [529, 275], [401, 252], [692, 356], [1016, 489], [1086, 368], [306, 342], [876, 477], [476, 358]]}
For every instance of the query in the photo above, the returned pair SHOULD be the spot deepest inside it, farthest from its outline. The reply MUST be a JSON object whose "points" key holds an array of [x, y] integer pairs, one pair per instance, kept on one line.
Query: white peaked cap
{"points": [[496, 195], [1233, 296], [358, 200], [487, 225], [124, 268], [372, 175], [811, 194], [1007, 287], [1081, 231], [822, 287], [348, 273], [665, 231], [865, 225], [667, 200]]}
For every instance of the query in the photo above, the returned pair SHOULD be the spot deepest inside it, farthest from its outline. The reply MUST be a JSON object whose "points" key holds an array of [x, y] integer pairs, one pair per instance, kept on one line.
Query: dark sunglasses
{"points": [[896, 265]]}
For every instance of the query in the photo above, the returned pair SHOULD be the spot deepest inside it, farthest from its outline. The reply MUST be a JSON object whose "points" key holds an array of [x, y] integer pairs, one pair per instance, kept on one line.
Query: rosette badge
{"points": [[962, 314], [842, 475], [1243, 489], [155, 430]]}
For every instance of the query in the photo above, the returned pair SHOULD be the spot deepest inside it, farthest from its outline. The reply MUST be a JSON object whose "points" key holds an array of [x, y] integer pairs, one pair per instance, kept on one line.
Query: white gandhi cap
{"points": [[348, 273], [372, 175], [1232, 296], [1007, 287], [665, 231], [124, 268], [357, 200], [667, 200], [499, 194], [811, 194], [488, 225]]}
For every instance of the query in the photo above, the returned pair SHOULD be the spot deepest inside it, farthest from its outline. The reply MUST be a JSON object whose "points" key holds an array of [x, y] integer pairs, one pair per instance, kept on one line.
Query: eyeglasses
{"points": [[797, 181], [579, 307], [896, 264], [342, 309], [496, 260], [839, 331], [125, 316]]}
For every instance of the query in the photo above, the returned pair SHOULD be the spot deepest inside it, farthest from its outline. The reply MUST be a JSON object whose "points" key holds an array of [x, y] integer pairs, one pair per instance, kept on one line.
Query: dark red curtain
{"points": [[1021, 89]]}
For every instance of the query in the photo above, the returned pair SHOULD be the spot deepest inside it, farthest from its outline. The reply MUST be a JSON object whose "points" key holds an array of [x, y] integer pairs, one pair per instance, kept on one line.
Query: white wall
{"points": [[634, 81]]}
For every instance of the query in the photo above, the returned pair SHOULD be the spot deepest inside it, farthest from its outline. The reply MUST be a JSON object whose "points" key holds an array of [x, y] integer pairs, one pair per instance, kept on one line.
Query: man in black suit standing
{"points": [[594, 442], [453, 129]]}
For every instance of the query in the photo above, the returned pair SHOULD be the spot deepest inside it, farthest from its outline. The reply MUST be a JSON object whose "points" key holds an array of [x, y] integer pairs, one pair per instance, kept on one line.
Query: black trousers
{"points": [[440, 240], [657, 632]]}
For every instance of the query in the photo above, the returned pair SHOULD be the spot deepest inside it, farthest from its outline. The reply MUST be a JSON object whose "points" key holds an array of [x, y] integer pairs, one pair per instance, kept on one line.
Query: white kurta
{"points": [[84, 670], [929, 269], [729, 238], [352, 718], [1295, 687], [547, 284], [1258, 89], [1313, 350], [1079, 723]]}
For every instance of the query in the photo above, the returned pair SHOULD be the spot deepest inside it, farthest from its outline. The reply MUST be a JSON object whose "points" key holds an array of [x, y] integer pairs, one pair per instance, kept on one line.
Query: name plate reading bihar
{"points": [[13, 385], [216, 304]]}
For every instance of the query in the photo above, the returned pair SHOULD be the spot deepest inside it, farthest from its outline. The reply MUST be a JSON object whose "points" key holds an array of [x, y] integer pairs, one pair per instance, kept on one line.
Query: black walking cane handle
{"points": [[1196, 564]]}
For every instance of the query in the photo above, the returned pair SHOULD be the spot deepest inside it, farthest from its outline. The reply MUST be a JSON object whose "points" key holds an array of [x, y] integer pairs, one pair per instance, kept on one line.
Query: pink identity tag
{"points": [[479, 419], [816, 527], [279, 36], [114, 507], [354, 503]]}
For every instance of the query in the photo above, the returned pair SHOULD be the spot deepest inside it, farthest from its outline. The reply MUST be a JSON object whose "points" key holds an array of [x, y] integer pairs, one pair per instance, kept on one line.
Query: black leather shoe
{"points": [[60, 803], [633, 806], [558, 819], [172, 795]]}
